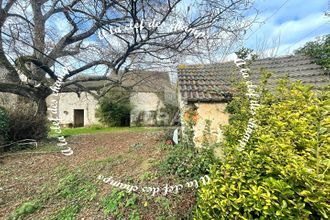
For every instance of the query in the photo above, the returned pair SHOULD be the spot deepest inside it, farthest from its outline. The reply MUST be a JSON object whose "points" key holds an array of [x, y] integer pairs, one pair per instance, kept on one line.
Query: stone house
{"points": [[206, 89], [151, 93]]}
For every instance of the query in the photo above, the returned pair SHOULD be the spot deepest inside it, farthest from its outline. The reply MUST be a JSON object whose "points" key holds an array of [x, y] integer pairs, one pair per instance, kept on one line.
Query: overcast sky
{"points": [[293, 21]]}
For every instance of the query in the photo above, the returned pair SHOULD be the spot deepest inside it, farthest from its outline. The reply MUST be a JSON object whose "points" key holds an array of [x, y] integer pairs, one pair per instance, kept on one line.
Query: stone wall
{"points": [[70, 101]]}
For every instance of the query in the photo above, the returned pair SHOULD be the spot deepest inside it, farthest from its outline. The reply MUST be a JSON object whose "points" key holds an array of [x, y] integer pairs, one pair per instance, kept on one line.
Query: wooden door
{"points": [[78, 118]]}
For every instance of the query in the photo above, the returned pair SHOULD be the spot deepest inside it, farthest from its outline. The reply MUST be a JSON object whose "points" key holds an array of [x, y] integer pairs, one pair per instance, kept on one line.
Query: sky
{"points": [[287, 24]]}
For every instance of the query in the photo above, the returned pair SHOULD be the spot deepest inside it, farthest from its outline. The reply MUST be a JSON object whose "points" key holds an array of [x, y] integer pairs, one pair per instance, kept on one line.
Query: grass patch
{"points": [[110, 161], [48, 148], [92, 130]]}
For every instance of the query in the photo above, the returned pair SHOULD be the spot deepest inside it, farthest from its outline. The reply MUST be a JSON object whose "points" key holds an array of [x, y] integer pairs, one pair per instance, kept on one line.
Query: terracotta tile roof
{"points": [[212, 82], [203, 87]]}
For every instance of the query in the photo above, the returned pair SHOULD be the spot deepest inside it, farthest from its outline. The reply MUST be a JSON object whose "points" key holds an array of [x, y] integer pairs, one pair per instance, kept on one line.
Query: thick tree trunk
{"points": [[41, 95]]}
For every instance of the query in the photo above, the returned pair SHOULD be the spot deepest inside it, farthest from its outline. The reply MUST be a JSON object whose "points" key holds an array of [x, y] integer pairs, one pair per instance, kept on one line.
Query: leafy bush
{"points": [[4, 125], [114, 108], [283, 172], [319, 50], [25, 124]]}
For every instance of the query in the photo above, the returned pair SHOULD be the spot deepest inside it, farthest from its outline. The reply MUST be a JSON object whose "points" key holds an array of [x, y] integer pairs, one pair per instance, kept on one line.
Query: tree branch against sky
{"points": [[38, 37]]}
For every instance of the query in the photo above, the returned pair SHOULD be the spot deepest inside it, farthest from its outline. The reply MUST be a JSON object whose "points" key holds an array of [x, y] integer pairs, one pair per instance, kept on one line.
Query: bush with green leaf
{"points": [[114, 108], [319, 50], [283, 172]]}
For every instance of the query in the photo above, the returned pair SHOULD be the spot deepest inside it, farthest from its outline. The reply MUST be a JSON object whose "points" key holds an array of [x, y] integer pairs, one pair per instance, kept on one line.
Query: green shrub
{"points": [[189, 121], [283, 172], [24, 124], [319, 50], [114, 109]]}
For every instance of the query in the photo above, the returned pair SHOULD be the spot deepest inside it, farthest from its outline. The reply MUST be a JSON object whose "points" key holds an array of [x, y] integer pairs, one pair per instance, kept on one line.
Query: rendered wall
{"points": [[70, 101], [215, 112], [145, 104], [146, 109]]}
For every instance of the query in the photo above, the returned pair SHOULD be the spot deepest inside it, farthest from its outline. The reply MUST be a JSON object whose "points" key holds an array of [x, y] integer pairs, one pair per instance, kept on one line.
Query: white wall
{"points": [[70, 101], [146, 102]]}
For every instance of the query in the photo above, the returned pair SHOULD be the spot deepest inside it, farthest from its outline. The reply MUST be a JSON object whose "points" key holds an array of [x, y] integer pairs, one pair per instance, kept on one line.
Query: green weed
{"points": [[25, 209], [74, 185], [67, 213], [114, 205]]}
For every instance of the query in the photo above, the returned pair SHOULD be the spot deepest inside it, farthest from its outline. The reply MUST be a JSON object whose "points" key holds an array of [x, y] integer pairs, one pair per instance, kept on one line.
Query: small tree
{"points": [[114, 108], [244, 53]]}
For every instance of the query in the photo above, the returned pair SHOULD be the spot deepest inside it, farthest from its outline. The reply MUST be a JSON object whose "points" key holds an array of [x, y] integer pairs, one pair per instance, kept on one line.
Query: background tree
{"points": [[39, 37], [319, 50], [114, 108]]}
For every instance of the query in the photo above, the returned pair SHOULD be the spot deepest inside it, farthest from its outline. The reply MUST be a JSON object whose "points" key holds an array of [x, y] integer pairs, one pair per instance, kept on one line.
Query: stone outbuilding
{"points": [[152, 93], [205, 90]]}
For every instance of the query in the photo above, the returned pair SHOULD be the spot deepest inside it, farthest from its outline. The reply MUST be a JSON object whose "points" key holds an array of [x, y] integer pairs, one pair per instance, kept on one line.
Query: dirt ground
{"points": [[24, 176]]}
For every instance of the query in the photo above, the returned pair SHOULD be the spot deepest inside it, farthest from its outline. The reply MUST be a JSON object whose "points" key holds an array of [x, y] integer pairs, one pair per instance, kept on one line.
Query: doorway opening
{"points": [[125, 121], [78, 115]]}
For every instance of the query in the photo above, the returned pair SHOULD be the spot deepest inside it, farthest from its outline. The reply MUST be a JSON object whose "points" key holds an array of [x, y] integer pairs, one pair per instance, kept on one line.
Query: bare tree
{"points": [[98, 37], [266, 47]]}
